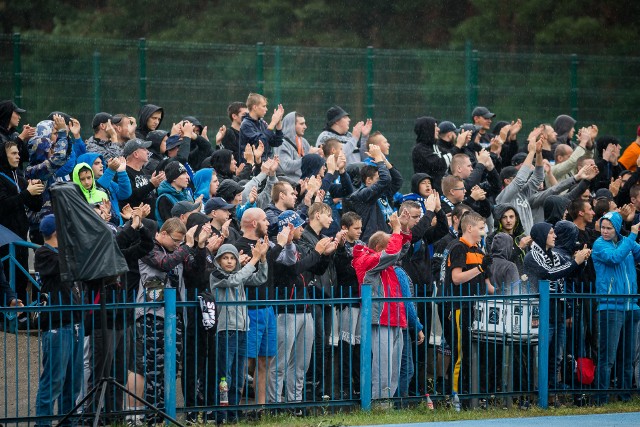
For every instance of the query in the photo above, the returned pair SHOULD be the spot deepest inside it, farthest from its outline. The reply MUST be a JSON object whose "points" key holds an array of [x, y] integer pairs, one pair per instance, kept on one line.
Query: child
{"points": [[374, 264], [254, 129], [466, 274], [228, 281]]}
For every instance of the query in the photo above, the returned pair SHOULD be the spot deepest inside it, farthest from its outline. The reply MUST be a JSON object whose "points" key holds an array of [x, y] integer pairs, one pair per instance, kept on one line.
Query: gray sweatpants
{"points": [[295, 344], [386, 346]]}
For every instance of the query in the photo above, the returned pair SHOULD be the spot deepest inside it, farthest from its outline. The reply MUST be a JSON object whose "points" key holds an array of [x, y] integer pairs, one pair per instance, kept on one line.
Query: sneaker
{"points": [[191, 419], [135, 421], [524, 405]]}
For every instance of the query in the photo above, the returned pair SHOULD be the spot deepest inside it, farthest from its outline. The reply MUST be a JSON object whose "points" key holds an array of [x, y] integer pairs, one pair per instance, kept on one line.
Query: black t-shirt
{"points": [[264, 291], [142, 190], [461, 254]]}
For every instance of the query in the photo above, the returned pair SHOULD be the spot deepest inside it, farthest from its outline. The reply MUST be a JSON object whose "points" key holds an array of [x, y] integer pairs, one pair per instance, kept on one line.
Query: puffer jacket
{"points": [[376, 269], [615, 267]]}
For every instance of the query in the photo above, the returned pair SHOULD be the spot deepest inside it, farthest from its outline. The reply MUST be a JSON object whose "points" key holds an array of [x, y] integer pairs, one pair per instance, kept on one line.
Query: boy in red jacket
{"points": [[374, 265]]}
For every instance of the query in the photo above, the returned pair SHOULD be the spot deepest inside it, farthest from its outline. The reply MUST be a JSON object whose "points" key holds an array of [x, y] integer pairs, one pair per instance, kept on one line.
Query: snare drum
{"points": [[516, 318]]}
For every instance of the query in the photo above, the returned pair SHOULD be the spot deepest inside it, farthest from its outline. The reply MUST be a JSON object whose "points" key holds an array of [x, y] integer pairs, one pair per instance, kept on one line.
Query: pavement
{"points": [[596, 420]]}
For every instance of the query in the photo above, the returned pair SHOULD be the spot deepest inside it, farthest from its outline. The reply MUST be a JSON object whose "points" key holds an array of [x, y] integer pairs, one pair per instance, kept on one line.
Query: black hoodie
{"points": [[156, 156], [426, 156], [9, 134], [145, 112], [554, 208], [14, 197]]}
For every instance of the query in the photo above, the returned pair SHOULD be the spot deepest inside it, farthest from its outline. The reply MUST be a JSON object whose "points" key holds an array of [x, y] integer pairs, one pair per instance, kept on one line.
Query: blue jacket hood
{"points": [[202, 182], [616, 220], [89, 158]]}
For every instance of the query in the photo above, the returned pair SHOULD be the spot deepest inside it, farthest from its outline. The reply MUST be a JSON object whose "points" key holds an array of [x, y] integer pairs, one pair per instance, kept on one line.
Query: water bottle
{"points": [[224, 392], [456, 402], [429, 402]]}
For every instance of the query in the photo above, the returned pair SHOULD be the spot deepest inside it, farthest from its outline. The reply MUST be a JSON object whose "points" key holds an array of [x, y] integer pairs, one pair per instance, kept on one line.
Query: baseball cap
{"points": [[103, 117], [48, 225], [134, 144], [216, 203], [289, 217], [518, 159], [483, 112], [447, 127], [604, 193], [184, 207]]}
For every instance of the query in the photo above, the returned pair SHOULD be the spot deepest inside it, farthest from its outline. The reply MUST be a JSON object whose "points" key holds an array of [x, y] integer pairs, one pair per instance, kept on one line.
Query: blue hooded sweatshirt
{"points": [[614, 263], [202, 182]]}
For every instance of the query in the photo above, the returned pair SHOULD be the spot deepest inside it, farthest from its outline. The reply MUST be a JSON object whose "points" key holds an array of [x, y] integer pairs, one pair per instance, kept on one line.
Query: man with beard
{"points": [[261, 336]]}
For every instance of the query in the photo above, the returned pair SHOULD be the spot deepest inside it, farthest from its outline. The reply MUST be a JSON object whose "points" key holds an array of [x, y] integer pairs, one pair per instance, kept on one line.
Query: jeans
{"points": [[557, 338], [406, 365], [62, 370], [612, 324], [232, 345]]}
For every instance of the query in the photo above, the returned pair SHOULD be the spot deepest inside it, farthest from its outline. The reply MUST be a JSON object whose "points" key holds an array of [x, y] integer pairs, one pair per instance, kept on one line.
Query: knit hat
{"points": [[334, 114], [173, 170], [289, 217], [48, 225]]}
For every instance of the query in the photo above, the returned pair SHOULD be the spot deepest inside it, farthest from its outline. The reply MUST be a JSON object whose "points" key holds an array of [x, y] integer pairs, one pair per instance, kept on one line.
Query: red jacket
{"points": [[376, 269]]}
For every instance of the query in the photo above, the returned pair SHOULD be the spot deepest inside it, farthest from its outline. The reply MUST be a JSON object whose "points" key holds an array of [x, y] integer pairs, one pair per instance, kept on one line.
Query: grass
{"points": [[441, 413]]}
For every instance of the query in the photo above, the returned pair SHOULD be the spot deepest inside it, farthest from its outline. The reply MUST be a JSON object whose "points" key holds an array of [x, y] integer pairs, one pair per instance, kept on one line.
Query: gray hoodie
{"points": [[520, 190], [504, 273], [290, 160], [229, 287]]}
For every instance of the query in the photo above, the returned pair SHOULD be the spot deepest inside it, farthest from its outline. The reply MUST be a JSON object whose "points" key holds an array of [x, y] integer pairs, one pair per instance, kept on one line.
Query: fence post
{"points": [[17, 70], [365, 347], [260, 67], [543, 345], [370, 82], [142, 60], [170, 351], [574, 86], [471, 67], [276, 76], [96, 83]]}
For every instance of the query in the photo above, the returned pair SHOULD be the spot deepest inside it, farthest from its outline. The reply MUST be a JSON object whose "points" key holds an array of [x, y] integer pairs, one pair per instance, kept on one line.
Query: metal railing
{"points": [[507, 337]]}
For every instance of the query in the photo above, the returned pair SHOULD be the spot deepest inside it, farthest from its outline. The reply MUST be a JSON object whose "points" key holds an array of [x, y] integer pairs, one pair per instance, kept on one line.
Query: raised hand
{"points": [[221, 133], [366, 128], [375, 153], [190, 236]]}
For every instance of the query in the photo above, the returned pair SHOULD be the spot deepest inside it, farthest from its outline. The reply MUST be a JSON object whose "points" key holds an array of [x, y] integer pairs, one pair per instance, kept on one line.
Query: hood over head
{"points": [[502, 246], [289, 126], [554, 208], [202, 182], [566, 236], [227, 249], [221, 161], [156, 138], [563, 125], [425, 130], [40, 144], [616, 220], [499, 210], [539, 233], [228, 190], [145, 112], [76, 179], [417, 178], [91, 157], [311, 165]]}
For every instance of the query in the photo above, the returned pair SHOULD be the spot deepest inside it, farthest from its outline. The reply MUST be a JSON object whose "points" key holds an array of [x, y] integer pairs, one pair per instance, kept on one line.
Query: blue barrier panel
{"points": [[543, 346], [365, 348]]}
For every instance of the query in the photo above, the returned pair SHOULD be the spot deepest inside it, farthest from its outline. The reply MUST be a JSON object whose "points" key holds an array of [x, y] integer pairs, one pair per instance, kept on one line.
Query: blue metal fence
{"points": [[507, 337]]}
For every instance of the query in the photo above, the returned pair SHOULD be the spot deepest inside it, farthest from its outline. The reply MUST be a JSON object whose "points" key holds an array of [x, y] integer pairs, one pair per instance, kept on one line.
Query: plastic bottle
{"points": [[224, 392], [456, 402], [429, 402]]}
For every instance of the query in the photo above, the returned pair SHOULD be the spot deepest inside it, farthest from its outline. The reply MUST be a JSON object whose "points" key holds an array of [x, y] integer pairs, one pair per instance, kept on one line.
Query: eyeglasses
{"points": [[176, 240], [462, 188]]}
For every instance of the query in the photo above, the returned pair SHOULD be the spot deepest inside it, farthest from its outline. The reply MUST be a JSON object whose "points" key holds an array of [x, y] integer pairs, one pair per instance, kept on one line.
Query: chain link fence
{"points": [[85, 76]]}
